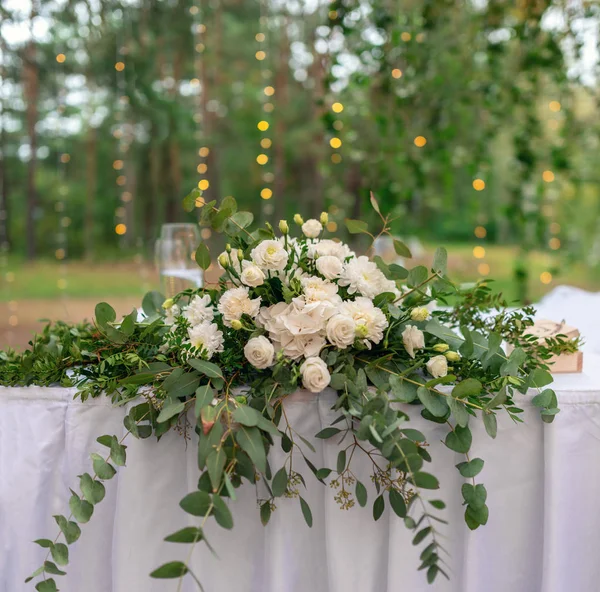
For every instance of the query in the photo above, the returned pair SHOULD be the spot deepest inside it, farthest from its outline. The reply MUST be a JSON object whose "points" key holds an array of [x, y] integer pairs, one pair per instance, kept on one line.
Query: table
{"points": [[543, 485]]}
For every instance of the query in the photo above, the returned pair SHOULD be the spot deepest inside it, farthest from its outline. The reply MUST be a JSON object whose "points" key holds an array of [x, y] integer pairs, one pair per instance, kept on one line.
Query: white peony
{"points": [[233, 259], [207, 338], [252, 275], [312, 228], [370, 320], [236, 302], [171, 314], [363, 276], [270, 255], [319, 290], [413, 339], [341, 331], [302, 318], [328, 247], [315, 375], [199, 310], [259, 351], [329, 266], [437, 366]]}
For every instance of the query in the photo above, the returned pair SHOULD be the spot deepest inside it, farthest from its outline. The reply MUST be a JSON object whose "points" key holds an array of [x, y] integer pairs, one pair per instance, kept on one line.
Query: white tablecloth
{"points": [[543, 484]]}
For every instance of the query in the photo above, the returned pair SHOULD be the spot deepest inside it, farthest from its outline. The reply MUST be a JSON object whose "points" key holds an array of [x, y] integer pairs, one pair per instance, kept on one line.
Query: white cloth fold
{"points": [[542, 480]]}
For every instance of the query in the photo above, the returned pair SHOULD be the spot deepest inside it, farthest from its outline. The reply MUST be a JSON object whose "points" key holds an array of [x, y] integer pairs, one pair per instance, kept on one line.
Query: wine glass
{"points": [[175, 258]]}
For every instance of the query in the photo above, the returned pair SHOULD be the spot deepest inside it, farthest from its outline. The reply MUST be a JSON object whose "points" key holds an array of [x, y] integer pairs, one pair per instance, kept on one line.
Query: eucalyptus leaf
{"points": [[174, 569]]}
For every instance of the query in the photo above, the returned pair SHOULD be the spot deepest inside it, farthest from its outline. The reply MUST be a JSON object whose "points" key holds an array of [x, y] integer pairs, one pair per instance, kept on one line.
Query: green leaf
{"points": [[51, 568], [222, 512], [174, 569], [239, 219], [82, 510], [397, 503], [46, 586], [475, 517], [207, 368], [466, 388], [306, 512], [437, 504], [440, 261], [474, 495], [425, 480], [251, 442], [402, 390], [204, 396], [280, 481], [70, 530], [378, 507], [197, 503], [44, 543], [190, 534], [356, 226], [414, 435], [93, 491], [106, 440], [117, 453], [470, 469], [183, 385], [459, 439], [246, 415], [265, 513], [341, 461], [327, 433], [401, 249], [420, 536], [498, 399], [170, 410], [540, 378], [152, 303], [544, 399], [105, 314], [35, 574], [215, 463], [432, 573], [203, 256], [102, 469], [435, 404], [490, 424], [374, 203], [361, 494], [128, 323], [459, 411], [60, 553], [417, 276]]}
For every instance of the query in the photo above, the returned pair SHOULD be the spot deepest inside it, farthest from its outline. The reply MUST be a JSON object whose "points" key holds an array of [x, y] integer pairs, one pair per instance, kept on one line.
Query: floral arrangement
{"points": [[295, 310]]}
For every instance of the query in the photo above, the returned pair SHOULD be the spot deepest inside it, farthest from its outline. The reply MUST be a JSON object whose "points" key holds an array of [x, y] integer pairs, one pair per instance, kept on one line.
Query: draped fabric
{"points": [[543, 482]]}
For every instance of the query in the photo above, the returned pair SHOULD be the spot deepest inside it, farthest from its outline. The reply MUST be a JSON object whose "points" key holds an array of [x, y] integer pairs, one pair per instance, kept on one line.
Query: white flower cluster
{"points": [[329, 303]]}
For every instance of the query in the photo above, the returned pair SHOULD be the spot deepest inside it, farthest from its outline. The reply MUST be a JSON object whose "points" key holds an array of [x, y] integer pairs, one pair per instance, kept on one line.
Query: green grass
{"points": [[125, 278]]}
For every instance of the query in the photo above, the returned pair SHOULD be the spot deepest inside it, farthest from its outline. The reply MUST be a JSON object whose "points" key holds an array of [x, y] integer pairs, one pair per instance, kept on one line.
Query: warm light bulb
{"points": [[480, 232], [203, 184], [396, 73], [554, 106], [266, 143], [60, 58], [545, 277], [478, 252], [263, 126], [420, 141], [478, 184], [260, 55], [120, 229], [266, 193], [335, 143], [269, 91], [548, 176], [262, 159], [337, 107], [119, 66]]}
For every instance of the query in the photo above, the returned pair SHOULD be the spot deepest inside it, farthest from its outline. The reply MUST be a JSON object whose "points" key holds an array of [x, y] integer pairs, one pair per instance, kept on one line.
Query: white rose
{"points": [[420, 313], [324, 247], [252, 275], [315, 376], [329, 267], [319, 290], [259, 351], [363, 276], [312, 228], [437, 366], [171, 315], [413, 339], [341, 331], [236, 302], [270, 255]]}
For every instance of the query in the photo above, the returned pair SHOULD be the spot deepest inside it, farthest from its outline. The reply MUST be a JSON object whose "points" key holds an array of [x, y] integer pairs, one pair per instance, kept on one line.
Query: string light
{"points": [[478, 252], [483, 269], [554, 106], [554, 243], [480, 232], [406, 36], [420, 141], [548, 176], [335, 143], [262, 159], [396, 73], [121, 229], [265, 143], [260, 55], [60, 58], [266, 193], [478, 184], [555, 228], [545, 277], [120, 66], [203, 184], [337, 107]]}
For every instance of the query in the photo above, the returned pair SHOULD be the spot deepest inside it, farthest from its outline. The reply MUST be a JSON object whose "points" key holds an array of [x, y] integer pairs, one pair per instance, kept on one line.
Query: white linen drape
{"points": [[543, 484]]}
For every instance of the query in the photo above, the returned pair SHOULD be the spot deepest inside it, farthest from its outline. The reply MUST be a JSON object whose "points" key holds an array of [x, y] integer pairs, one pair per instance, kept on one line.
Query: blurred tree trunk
{"points": [[31, 91], [91, 186], [282, 103], [175, 196], [4, 228]]}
